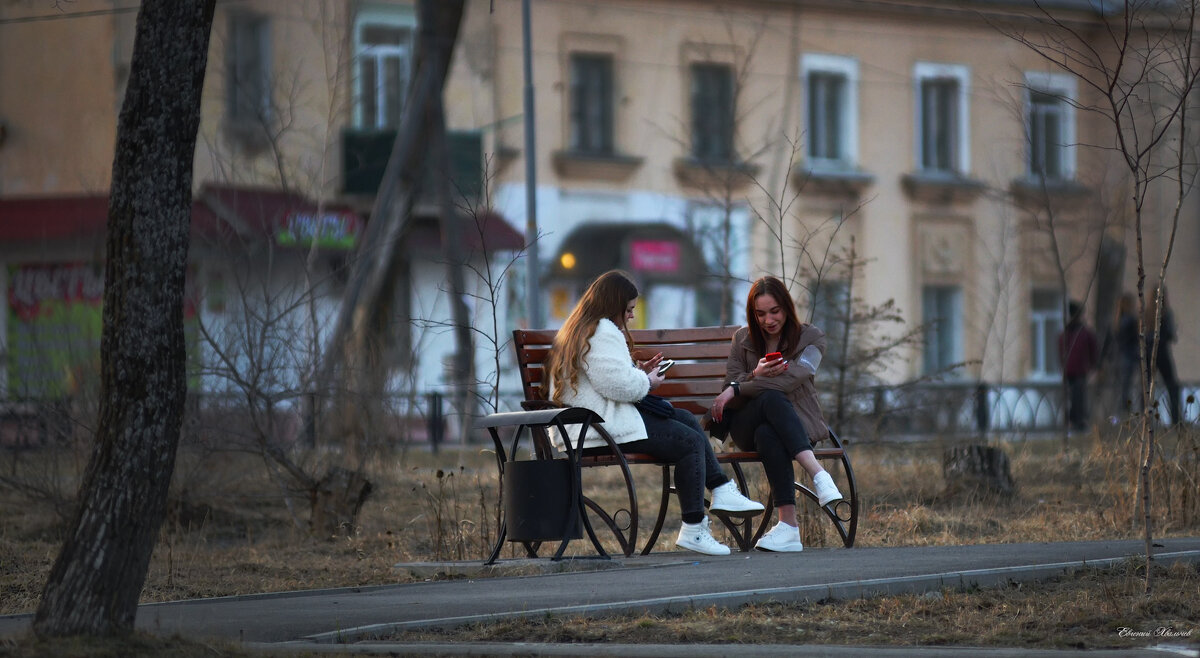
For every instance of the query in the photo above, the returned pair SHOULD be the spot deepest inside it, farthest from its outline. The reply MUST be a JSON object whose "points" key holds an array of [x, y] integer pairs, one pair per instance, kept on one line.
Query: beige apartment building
{"points": [[696, 144]]}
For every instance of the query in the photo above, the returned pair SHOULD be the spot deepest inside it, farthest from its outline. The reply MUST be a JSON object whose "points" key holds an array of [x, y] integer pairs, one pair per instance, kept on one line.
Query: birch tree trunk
{"points": [[94, 585]]}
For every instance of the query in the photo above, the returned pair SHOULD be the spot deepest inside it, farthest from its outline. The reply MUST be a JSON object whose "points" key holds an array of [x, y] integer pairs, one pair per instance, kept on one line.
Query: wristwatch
{"points": [[737, 388]]}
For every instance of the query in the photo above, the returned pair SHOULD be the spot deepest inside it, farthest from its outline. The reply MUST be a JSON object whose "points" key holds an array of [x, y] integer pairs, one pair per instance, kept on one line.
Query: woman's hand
{"points": [[655, 378], [651, 365], [719, 402], [767, 368]]}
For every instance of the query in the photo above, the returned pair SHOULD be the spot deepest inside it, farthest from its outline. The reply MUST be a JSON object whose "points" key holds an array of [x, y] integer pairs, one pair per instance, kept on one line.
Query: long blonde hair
{"points": [[607, 297]]}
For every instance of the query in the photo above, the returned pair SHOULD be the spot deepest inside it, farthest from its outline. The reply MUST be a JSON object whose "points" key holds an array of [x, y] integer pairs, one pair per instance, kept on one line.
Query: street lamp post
{"points": [[532, 291]]}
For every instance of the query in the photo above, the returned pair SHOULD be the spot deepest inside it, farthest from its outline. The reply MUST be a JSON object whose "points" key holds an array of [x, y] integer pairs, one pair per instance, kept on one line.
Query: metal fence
{"points": [[881, 413], [965, 408]]}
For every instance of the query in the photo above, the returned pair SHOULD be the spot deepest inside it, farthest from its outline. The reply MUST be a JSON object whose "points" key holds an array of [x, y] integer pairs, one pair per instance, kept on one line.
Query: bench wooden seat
{"points": [[697, 377]]}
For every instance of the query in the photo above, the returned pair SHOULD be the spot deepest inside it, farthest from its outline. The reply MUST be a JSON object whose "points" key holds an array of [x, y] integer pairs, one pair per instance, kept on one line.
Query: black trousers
{"points": [[1077, 402], [768, 423], [680, 441]]}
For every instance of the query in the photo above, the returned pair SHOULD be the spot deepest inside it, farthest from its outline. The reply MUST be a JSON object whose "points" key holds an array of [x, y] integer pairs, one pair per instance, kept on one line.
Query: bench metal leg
{"points": [[627, 541], [843, 513], [664, 500]]}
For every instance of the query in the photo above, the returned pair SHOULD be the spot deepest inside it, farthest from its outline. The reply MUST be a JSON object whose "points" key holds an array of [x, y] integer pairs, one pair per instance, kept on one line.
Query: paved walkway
{"points": [[660, 582]]}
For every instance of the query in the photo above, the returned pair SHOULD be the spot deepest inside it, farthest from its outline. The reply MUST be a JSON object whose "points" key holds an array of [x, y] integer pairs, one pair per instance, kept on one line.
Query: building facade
{"points": [[910, 154]]}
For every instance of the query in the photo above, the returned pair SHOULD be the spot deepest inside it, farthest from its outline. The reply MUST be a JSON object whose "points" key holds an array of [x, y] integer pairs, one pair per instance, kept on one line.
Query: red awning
{"points": [[52, 218], [489, 231], [49, 218], [250, 212], [218, 211], [229, 212]]}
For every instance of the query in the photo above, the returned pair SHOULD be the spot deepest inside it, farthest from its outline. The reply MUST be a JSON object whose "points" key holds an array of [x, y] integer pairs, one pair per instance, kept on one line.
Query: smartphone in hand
{"points": [[664, 365], [773, 356]]}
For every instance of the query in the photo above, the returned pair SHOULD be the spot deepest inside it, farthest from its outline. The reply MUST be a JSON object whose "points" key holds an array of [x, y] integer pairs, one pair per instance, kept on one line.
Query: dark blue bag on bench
{"points": [[653, 405]]}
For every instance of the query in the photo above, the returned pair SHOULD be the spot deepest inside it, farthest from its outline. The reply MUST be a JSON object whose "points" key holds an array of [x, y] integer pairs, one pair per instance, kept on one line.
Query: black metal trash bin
{"points": [[537, 501]]}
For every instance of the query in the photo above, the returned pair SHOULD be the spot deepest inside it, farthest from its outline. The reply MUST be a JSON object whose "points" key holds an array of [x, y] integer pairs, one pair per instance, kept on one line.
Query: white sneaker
{"points": [[827, 491], [783, 538], [697, 537], [727, 498]]}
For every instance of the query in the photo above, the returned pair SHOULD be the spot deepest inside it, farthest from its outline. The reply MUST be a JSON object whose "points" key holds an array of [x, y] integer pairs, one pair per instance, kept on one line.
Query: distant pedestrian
{"points": [[1163, 361], [1128, 348], [1078, 352]]}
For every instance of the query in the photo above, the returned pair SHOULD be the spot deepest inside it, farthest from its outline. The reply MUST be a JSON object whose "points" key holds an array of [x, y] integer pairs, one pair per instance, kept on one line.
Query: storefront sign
{"points": [[54, 322], [330, 230], [654, 256], [39, 290], [55, 319]]}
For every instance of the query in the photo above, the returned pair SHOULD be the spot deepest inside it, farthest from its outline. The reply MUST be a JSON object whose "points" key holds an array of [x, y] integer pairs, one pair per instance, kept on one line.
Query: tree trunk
{"points": [[976, 471], [452, 251], [94, 585], [363, 320], [378, 251], [336, 501]]}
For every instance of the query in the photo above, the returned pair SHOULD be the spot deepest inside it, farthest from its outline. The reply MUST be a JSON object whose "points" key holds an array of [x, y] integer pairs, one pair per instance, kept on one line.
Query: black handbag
{"points": [[652, 405]]}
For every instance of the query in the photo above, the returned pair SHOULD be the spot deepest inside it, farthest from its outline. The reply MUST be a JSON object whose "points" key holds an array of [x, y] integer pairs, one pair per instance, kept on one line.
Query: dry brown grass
{"points": [[239, 537], [1086, 610]]}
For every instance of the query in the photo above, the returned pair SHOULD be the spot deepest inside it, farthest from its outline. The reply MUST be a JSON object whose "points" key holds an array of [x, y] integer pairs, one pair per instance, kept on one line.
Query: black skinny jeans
{"points": [[768, 423], [680, 441]]}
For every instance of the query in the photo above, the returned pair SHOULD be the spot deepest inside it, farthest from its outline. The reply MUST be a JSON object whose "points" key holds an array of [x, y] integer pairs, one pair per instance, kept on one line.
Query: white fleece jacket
{"points": [[609, 384]]}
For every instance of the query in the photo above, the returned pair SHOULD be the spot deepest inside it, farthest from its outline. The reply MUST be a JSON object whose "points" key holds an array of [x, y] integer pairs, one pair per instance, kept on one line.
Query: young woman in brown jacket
{"points": [[770, 404]]}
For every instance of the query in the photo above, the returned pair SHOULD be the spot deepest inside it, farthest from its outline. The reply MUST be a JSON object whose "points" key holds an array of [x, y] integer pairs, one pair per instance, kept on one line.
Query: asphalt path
{"points": [[660, 582]]}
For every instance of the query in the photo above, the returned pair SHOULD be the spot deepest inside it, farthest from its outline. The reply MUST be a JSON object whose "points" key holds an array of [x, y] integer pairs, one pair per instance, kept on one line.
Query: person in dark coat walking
{"points": [[1163, 361], [1078, 352], [1128, 350]]}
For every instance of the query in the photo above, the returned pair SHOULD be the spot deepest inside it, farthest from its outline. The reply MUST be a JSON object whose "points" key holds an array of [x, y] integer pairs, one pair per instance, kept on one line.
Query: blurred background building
{"points": [[697, 145]]}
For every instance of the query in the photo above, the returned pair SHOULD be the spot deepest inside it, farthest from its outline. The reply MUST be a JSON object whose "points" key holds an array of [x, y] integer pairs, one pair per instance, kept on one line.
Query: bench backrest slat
{"points": [[691, 384]]}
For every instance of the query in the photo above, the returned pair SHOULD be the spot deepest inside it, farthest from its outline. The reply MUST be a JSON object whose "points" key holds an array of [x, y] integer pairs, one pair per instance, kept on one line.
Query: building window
{"points": [[942, 137], [1050, 120], [831, 124], [591, 104], [383, 51], [941, 314], [831, 313], [1045, 323], [248, 65], [712, 112]]}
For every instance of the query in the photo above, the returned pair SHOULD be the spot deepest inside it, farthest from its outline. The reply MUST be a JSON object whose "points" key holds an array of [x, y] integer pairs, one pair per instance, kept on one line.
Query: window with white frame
{"points": [[712, 112], [1050, 122], [831, 120], [942, 118], [383, 65], [1045, 323], [941, 314], [248, 61], [591, 110]]}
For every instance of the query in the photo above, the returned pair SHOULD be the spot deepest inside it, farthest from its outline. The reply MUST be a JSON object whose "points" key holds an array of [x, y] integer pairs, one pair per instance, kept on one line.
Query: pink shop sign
{"points": [[654, 256]]}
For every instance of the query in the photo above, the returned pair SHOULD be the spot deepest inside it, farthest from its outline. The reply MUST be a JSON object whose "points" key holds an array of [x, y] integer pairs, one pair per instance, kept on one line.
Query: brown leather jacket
{"points": [[795, 382]]}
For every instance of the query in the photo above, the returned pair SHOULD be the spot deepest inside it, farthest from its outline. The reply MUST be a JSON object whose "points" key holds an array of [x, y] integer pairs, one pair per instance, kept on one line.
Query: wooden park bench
{"points": [[697, 377]]}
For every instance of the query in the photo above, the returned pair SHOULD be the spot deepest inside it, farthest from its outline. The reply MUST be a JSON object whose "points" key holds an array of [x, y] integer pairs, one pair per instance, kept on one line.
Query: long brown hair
{"points": [[607, 297], [789, 337]]}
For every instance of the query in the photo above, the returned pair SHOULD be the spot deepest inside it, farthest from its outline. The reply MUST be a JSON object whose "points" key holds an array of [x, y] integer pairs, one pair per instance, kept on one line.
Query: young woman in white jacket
{"points": [[592, 365]]}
